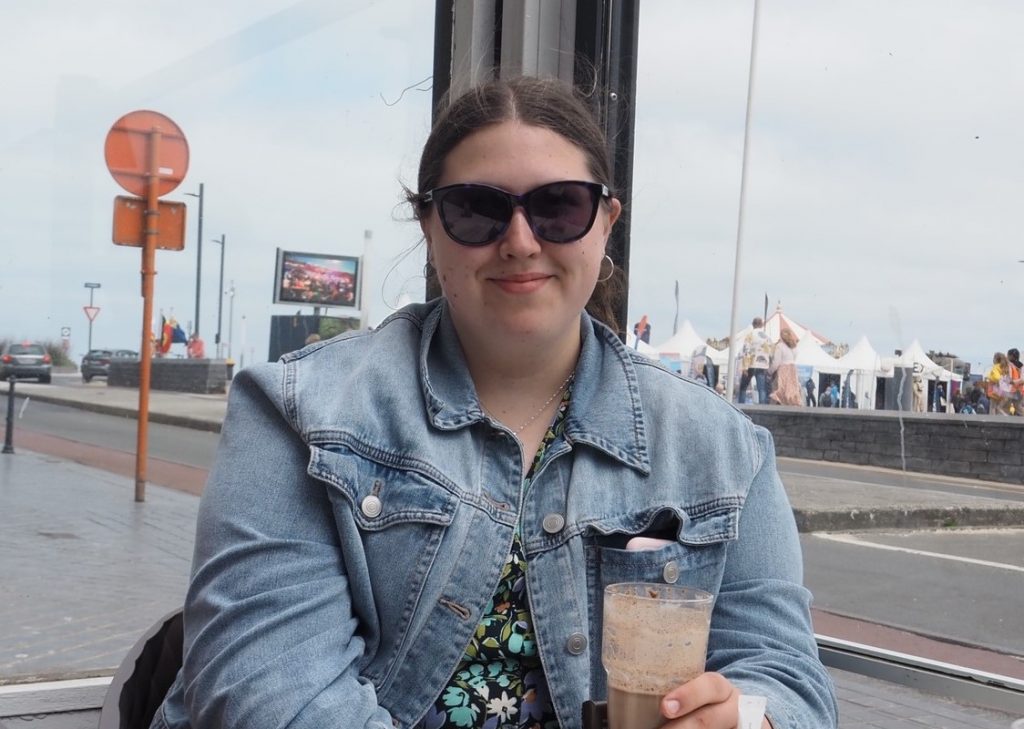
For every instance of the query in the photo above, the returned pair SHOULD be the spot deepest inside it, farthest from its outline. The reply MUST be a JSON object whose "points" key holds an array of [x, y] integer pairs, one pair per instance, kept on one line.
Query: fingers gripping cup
{"points": [[655, 638]]}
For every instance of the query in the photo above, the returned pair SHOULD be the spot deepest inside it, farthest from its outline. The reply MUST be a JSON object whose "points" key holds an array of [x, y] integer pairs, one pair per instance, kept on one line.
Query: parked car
{"points": [[97, 362], [24, 360]]}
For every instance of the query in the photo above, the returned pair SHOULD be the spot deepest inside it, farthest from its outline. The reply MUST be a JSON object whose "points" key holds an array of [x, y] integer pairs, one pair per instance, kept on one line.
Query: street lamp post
{"points": [[231, 316], [199, 255], [92, 288], [220, 288]]}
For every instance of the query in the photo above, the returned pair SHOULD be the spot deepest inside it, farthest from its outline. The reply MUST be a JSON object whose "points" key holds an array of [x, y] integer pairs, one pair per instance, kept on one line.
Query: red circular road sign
{"points": [[126, 152]]}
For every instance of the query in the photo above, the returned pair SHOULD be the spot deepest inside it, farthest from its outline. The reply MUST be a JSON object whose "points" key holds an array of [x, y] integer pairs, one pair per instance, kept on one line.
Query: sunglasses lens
{"points": [[474, 215], [562, 211]]}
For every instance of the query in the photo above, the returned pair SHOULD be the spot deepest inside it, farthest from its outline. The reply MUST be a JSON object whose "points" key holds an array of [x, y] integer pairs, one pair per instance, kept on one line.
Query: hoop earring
{"points": [[611, 268], [427, 269]]}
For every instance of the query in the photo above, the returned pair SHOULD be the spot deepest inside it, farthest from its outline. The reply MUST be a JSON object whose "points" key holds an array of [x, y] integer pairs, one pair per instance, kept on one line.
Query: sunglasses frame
{"points": [[598, 192]]}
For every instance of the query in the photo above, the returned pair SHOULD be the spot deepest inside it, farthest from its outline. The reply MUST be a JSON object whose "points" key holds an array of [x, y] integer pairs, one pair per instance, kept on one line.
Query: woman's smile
{"points": [[521, 283]]}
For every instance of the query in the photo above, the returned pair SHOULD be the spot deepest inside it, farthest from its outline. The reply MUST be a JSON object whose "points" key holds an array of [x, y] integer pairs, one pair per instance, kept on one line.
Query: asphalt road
{"points": [[964, 586], [171, 443]]}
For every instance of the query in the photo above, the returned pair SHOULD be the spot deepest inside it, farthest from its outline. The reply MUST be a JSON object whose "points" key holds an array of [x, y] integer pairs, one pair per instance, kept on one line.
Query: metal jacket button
{"points": [[576, 644], [371, 507], [671, 572], [553, 523]]}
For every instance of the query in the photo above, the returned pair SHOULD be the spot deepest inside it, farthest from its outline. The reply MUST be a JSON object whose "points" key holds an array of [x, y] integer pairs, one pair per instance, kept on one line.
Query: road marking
{"points": [[856, 541], [932, 487]]}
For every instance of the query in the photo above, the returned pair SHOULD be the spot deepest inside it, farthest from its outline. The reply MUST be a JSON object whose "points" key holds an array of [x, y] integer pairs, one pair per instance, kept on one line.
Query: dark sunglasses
{"points": [[558, 212]]}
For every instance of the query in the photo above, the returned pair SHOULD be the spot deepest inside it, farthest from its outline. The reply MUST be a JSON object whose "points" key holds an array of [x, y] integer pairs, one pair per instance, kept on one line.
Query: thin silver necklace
{"points": [[540, 410]]}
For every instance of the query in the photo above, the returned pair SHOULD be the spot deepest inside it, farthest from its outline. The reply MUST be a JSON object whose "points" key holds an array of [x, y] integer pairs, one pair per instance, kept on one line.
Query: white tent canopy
{"points": [[915, 357], [810, 354], [774, 325], [683, 342], [861, 366], [862, 357]]}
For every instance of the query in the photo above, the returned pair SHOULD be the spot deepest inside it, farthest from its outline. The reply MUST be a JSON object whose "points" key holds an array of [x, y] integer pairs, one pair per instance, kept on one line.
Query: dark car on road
{"points": [[97, 362], [25, 360]]}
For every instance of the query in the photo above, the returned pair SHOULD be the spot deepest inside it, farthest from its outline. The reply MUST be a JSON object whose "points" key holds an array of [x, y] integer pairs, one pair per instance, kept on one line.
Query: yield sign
{"points": [[91, 311]]}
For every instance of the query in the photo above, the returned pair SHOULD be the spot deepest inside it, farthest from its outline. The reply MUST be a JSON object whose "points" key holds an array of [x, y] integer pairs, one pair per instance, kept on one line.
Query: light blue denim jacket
{"points": [[362, 505]]}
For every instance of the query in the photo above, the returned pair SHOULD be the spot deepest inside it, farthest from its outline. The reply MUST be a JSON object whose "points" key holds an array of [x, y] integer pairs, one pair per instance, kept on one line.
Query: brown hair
{"points": [[541, 102]]}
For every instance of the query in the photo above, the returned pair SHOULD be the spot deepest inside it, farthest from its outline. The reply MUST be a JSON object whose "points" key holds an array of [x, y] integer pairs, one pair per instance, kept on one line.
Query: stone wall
{"points": [[988, 447], [206, 376]]}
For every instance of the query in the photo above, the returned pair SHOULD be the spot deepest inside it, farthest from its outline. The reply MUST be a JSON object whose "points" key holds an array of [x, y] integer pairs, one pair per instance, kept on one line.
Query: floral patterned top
{"points": [[500, 683]]}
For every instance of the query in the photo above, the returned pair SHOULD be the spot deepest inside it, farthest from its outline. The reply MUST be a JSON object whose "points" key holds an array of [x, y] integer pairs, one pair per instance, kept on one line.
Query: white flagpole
{"points": [[743, 195]]}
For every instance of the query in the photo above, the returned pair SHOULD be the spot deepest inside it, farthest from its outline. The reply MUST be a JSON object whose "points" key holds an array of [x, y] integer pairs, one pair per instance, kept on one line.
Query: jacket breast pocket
{"points": [[391, 522], [692, 552]]}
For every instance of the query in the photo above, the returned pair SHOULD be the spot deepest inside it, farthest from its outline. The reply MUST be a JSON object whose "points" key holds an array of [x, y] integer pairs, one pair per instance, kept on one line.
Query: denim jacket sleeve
{"points": [[761, 634], [270, 636]]}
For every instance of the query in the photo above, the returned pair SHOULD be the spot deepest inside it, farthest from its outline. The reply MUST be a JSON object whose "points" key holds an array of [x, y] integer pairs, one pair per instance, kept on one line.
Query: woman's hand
{"points": [[709, 701]]}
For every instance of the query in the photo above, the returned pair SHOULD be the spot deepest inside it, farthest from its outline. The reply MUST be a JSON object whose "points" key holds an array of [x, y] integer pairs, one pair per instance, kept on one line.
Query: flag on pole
{"points": [[675, 322], [166, 336]]}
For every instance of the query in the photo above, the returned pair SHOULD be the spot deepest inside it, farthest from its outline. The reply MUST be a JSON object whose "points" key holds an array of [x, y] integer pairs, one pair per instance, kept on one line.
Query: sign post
{"points": [[147, 155], [90, 310]]}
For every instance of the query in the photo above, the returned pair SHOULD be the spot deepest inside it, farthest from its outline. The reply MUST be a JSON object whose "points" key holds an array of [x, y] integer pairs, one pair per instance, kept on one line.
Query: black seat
{"points": [[144, 676]]}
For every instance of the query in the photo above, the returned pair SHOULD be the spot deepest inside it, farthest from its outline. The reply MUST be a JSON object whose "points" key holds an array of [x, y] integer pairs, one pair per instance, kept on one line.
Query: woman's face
{"points": [[518, 286]]}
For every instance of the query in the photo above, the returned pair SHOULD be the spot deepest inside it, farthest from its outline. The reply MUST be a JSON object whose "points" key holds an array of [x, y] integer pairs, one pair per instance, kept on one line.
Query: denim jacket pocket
{"points": [[391, 521], [694, 555]]}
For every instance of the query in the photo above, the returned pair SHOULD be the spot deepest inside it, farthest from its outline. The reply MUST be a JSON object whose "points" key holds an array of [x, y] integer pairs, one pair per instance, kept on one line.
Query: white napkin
{"points": [[752, 711]]}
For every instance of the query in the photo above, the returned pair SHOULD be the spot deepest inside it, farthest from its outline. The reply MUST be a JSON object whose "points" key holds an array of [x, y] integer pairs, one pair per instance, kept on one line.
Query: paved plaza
{"points": [[85, 568]]}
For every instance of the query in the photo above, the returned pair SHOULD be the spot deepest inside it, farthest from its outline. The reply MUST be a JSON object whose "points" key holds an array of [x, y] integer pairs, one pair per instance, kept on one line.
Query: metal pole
{"points": [[220, 297], [152, 228], [9, 433], [199, 257], [91, 290], [92, 286], [231, 316], [729, 386]]}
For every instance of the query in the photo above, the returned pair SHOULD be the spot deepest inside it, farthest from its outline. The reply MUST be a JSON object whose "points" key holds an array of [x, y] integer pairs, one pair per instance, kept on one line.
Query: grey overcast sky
{"points": [[882, 190]]}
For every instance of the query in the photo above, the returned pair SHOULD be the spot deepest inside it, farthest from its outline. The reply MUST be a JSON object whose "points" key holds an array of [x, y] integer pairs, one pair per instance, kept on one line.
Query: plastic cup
{"points": [[655, 639]]}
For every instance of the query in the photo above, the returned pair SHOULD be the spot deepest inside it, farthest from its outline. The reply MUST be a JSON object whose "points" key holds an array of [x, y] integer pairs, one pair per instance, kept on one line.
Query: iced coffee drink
{"points": [[655, 638]]}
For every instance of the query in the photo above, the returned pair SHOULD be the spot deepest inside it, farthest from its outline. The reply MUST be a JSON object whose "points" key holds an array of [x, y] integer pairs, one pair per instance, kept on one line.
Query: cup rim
{"points": [[692, 596]]}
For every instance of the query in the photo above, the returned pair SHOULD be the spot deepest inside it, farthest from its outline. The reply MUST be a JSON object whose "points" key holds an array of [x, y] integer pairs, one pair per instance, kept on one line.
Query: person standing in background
{"points": [[786, 389], [757, 358]]}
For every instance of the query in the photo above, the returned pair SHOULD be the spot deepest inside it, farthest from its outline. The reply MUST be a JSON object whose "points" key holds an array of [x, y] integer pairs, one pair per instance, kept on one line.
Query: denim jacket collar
{"points": [[606, 411]]}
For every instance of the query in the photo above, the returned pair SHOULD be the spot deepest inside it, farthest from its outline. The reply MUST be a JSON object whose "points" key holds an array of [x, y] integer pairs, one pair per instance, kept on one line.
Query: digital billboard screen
{"points": [[317, 279]]}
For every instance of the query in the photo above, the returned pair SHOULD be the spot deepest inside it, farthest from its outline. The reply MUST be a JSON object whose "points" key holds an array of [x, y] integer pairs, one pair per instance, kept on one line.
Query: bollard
{"points": [[9, 433]]}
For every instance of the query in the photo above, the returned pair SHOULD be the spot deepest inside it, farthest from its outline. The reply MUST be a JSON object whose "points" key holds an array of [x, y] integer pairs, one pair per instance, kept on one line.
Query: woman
{"points": [[413, 526], [1002, 382], [786, 390]]}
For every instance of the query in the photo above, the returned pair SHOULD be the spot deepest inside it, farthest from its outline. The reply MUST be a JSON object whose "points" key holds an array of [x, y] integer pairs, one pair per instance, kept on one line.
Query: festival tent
{"points": [[677, 351], [810, 354], [778, 321], [683, 342], [862, 357], [861, 367], [915, 357]]}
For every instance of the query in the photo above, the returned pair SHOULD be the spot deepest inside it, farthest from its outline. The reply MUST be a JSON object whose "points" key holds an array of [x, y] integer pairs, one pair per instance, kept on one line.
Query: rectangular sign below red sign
{"points": [[129, 223]]}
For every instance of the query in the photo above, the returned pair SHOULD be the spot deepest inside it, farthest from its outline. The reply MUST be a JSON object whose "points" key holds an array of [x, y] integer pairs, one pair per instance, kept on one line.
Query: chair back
{"points": [[145, 675]]}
